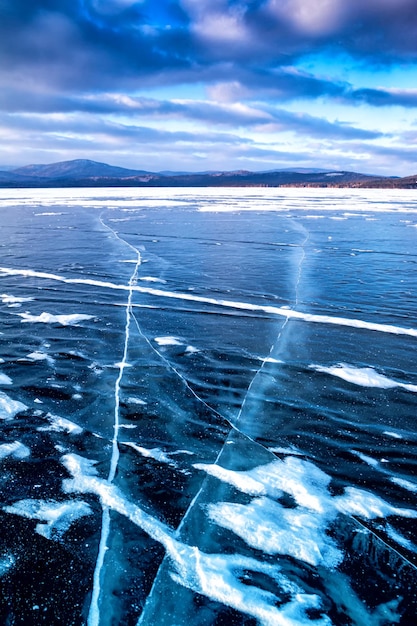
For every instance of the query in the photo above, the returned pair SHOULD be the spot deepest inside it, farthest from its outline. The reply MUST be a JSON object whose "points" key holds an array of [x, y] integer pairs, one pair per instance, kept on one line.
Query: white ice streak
{"points": [[49, 213], [406, 484], [152, 279], [10, 408], [365, 458], [153, 453], [16, 449], [391, 433], [137, 401], [244, 306], [5, 380], [48, 318], [399, 538], [363, 376], [217, 576], [61, 424], [55, 517], [299, 531]]}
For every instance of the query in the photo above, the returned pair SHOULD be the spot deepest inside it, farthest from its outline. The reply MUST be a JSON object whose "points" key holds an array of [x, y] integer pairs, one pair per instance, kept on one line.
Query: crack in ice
{"points": [[94, 611]]}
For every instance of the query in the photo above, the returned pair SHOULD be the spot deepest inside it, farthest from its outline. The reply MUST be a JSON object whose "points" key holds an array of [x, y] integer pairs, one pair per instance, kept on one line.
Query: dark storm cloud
{"points": [[76, 43], [91, 44]]}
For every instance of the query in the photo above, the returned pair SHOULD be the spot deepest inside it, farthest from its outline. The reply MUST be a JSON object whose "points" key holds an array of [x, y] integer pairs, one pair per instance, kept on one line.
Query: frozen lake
{"points": [[208, 407]]}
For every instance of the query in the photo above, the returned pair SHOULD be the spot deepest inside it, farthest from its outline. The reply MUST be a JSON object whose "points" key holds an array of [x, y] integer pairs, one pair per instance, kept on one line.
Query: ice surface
{"points": [[245, 487], [217, 576]]}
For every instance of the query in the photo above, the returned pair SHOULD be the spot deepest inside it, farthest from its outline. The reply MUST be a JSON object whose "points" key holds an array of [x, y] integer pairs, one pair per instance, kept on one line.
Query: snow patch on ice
{"points": [[400, 539], [5, 380], [366, 459], [13, 301], [300, 531], [270, 359], [16, 449], [168, 341], [49, 213], [286, 312], [269, 526], [6, 563], [9, 408], [363, 376], [61, 424], [191, 350], [55, 517], [40, 356], [367, 505], [48, 318]]}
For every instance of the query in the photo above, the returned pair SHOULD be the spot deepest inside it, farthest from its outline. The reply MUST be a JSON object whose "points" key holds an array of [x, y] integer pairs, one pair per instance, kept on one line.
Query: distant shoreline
{"points": [[81, 173]]}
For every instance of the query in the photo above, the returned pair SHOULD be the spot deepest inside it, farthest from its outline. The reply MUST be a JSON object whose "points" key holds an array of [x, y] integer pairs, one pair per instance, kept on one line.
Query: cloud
{"points": [[82, 74], [86, 44]]}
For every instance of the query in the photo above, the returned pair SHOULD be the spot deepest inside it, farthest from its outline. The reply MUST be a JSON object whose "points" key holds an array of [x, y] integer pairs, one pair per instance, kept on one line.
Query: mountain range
{"points": [[87, 173]]}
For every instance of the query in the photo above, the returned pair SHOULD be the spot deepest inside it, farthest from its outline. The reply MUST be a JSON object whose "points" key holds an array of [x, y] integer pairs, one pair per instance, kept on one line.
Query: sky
{"points": [[197, 85]]}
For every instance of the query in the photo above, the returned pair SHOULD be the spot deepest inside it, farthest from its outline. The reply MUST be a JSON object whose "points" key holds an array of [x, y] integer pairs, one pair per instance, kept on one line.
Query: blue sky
{"points": [[210, 84]]}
